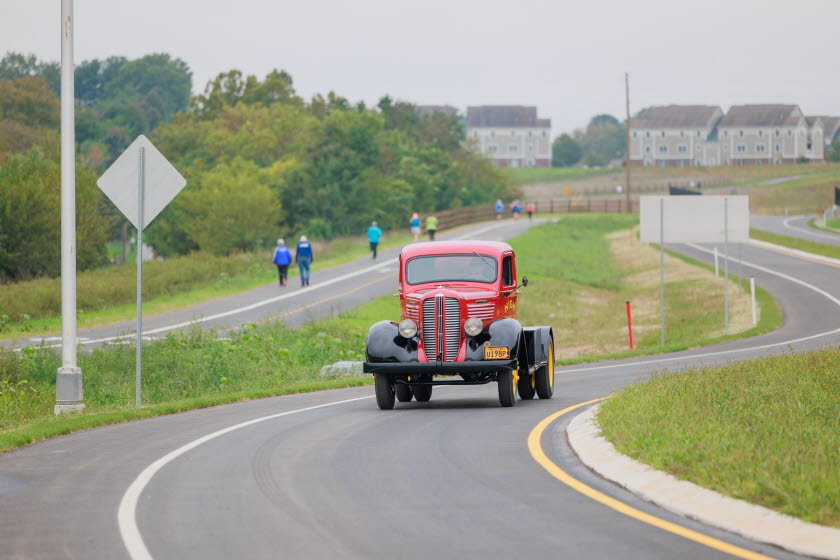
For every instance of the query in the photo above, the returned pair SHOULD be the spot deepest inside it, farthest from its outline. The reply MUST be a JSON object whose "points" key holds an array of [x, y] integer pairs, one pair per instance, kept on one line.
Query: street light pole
{"points": [[68, 380]]}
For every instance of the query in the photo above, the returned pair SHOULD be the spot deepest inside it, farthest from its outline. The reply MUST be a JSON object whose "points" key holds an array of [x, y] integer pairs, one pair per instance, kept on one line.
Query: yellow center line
{"points": [[794, 255], [540, 457]]}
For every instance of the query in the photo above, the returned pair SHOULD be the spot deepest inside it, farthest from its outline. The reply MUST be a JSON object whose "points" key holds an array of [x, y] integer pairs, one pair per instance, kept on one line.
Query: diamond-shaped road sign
{"points": [[161, 182]]}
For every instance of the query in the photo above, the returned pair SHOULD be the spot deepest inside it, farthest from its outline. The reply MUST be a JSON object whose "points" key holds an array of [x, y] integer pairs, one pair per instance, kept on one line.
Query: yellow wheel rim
{"points": [[551, 365]]}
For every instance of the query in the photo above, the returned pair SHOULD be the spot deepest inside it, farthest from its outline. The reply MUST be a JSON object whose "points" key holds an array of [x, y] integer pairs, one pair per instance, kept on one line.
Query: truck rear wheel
{"points": [[422, 393], [544, 376], [403, 392], [525, 386], [507, 388], [384, 391]]}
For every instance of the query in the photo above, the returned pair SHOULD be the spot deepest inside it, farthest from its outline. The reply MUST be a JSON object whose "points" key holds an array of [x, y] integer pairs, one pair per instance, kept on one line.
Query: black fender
{"points": [[537, 340], [385, 344], [501, 332]]}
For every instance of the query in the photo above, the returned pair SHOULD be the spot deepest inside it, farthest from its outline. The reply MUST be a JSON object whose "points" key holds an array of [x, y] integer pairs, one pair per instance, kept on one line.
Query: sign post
{"points": [[694, 219], [143, 167]]}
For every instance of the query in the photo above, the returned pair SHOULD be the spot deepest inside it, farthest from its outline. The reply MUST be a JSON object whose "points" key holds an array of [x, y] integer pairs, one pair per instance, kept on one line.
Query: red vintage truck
{"points": [[458, 327]]}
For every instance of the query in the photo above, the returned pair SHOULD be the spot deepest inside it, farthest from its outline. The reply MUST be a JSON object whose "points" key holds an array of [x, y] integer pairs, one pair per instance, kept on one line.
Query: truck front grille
{"points": [[441, 328]]}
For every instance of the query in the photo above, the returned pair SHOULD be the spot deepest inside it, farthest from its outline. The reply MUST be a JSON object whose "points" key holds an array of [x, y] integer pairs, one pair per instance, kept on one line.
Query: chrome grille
{"points": [[451, 321], [412, 312], [480, 310]]}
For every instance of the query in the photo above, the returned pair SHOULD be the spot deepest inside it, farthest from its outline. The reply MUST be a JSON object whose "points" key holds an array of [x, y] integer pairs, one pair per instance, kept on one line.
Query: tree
{"points": [[30, 200], [565, 151], [604, 135], [594, 159], [832, 153], [17, 65], [231, 208]]}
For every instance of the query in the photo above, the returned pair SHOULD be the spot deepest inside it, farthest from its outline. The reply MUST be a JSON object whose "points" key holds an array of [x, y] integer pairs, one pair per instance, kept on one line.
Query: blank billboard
{"points": [[695, 219]]}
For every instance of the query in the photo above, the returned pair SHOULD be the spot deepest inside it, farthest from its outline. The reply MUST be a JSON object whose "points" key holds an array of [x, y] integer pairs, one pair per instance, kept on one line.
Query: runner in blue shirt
{"points": [[373, 234]]}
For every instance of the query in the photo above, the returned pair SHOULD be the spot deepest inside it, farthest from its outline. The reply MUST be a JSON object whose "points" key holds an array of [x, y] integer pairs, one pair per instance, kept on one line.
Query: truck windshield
{"points": [[451, 268]]}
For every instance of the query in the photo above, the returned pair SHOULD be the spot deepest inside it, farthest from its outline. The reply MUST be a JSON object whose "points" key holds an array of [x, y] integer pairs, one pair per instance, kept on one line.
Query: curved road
{"points": [[328, 475], [794, 226]]}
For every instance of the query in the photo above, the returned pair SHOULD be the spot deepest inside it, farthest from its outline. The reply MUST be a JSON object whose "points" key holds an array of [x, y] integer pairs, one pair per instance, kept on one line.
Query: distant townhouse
{"points": [[757, 134], [831, 129], [675, 136], [510, 135]]}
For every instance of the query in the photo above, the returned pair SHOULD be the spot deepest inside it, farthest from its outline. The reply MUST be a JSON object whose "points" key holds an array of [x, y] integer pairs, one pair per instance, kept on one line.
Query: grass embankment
{"points": [[109, 294], [824, 249], [595, 266], [183, 371], [831, 224], [800, 195], [524, 175], [195, 369], [766, 431]]}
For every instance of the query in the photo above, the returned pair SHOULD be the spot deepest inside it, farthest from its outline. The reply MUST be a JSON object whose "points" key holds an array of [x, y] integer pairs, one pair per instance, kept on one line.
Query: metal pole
{"points": [[68, 380], [725, 266], [139, 341], [752, 296], [662, 268], [627, 140]]}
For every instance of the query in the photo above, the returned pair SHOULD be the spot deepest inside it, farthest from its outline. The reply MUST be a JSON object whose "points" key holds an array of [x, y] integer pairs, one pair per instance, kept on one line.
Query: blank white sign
{"points": [[695, 219]]}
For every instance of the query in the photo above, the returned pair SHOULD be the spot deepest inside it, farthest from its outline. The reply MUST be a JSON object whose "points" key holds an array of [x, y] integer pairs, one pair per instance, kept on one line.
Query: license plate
{"points": [[496, 352]]}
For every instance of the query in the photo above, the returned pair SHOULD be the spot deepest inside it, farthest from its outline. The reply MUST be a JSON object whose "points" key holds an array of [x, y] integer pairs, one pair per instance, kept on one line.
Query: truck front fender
{"points": [[385, 344]]}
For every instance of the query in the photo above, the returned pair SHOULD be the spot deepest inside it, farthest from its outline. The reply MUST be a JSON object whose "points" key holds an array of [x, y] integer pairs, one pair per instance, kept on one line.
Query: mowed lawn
{"points": [[766, 431]]}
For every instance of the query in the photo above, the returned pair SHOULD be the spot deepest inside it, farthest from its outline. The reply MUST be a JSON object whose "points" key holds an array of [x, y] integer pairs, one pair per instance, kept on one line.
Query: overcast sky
{"points": [[568, 58]]}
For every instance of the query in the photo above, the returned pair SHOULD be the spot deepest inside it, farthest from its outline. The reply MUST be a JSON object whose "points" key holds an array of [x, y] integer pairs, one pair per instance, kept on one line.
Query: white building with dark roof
{"points": [[510, 135], [756, 134], [675, 136]]}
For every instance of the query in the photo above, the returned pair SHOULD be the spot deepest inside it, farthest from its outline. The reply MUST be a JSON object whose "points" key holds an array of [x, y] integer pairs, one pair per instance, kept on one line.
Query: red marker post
{"points": [[629, 325]]}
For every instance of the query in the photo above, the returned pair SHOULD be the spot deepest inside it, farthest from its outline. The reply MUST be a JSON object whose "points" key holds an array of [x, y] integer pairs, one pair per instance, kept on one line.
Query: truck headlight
{"points": [[408, 328], [472, 326]]}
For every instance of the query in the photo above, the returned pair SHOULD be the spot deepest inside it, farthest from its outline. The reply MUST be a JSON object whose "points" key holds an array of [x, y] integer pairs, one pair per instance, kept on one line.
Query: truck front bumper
{"points": [[440, 368]]}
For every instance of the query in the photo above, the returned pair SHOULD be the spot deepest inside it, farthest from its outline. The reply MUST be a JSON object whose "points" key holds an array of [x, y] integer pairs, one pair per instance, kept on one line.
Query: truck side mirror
{"points": [[524, 280]]}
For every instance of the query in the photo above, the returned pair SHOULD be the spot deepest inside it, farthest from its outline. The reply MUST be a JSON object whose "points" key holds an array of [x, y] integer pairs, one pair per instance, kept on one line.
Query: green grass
{"points": [[766, 431], [553, 174], [823, 249], [581, 290]]}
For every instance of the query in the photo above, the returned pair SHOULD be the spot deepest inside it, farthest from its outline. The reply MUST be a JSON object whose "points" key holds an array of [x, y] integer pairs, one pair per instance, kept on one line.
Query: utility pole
{"points": [[68, 379], [627, 141]]}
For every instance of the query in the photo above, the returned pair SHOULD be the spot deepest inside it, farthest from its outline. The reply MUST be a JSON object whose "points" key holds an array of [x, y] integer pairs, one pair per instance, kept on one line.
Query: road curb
{"points": [[737, 516]]}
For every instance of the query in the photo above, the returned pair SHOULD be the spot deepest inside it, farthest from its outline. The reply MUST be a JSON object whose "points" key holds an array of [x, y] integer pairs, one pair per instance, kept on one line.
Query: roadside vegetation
{"points": [[109, 295], [194, 368], [597, 264], [824, 249], [766, 431]]}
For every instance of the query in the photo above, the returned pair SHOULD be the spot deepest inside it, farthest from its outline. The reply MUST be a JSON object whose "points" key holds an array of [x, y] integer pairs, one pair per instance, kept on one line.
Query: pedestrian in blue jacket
{"points": [[304, 258], [282, 258], [373, 234]]}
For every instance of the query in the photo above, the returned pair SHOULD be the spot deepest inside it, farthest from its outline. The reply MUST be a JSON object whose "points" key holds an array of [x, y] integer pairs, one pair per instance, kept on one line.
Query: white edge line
{"points": [[787, 221], [126, 515], [820, 291]]}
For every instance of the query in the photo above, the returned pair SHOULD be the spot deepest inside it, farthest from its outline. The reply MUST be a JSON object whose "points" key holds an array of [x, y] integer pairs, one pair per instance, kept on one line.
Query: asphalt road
{"points": [[329, 475], [794, 226]]}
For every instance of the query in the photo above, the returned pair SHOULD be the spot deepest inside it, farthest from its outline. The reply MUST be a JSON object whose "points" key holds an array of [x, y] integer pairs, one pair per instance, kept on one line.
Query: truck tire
{"points": [[384, 391], [422, 393], [403, 392], [544, 381], [525, 386], [507, 389]]}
